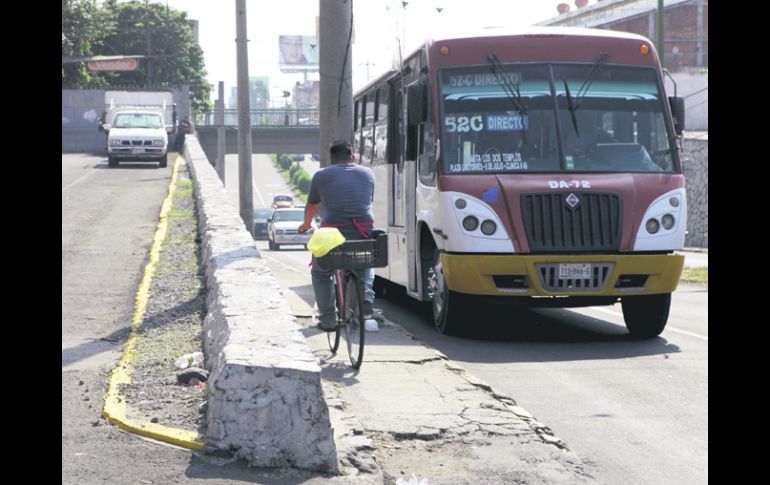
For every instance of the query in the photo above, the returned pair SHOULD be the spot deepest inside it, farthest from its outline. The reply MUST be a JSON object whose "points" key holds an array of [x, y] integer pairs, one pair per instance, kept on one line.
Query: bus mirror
{"points": [[677, 110], [416, 103]]}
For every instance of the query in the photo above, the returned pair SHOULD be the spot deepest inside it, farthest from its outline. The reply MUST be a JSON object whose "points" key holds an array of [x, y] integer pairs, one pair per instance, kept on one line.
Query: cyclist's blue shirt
{"points": [[345, 191]]}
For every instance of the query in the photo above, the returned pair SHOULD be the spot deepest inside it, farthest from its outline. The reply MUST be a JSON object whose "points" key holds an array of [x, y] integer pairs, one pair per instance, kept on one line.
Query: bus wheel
{"points": [[646, 315], [446, 304]]}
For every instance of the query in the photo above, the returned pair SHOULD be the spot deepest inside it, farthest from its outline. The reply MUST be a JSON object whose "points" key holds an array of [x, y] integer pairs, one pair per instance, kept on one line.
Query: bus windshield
{"points": [[502, 118]]}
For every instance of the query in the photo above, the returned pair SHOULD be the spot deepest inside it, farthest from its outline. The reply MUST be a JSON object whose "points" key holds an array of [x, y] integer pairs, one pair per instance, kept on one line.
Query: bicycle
{"points": [[349, 289]]}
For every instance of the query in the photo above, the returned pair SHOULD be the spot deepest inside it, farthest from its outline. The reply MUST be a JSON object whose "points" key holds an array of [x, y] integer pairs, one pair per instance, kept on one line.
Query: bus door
{"points": [[397, 250], [412, 151]]}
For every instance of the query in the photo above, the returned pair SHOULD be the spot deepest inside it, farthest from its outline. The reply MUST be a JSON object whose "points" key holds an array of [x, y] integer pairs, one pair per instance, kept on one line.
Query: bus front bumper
{"points": [[562, 275]]}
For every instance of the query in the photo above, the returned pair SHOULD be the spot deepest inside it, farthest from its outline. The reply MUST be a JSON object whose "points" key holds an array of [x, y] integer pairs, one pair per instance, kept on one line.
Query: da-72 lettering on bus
{"points": [[572, 184]]}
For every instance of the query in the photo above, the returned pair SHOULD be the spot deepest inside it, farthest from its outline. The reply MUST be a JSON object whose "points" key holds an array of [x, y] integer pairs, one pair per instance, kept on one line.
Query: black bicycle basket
{"points": [[357, 254]]}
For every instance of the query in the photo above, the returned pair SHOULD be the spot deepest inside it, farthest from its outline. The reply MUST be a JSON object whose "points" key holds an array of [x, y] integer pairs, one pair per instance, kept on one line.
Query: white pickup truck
{"points": [[137, 124], [137, 135]]}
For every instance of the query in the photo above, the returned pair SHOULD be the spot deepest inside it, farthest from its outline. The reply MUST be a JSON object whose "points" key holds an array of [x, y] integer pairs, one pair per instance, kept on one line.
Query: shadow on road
{"points": [[495, 333]]}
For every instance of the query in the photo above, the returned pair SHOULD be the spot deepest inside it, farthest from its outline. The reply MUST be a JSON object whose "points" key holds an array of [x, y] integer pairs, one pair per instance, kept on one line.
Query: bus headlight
{"points": [[470, 223], [667, 221], [652, 226], [488, 227]]}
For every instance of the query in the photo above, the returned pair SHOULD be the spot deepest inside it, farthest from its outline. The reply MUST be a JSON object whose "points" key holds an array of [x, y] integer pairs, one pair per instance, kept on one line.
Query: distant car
{"points": [[282, 201], [261, 215], [282, 228]]}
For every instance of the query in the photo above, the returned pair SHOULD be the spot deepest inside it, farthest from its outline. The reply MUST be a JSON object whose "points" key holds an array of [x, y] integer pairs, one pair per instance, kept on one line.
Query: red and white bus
{"points": [[538, 167]]}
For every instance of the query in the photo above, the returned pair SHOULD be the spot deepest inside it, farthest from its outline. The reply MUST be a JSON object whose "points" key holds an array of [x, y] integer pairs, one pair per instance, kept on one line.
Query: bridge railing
{"points": [[262, 117]]}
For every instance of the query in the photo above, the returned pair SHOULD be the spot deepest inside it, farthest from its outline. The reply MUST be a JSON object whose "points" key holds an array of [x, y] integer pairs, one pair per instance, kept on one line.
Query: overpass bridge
{"points": [[279, 130]]}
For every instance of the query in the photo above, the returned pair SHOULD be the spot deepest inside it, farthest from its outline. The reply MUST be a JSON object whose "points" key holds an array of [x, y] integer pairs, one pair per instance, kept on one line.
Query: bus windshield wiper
{"points": [[511, 90], [571, 108], [600, 60]]}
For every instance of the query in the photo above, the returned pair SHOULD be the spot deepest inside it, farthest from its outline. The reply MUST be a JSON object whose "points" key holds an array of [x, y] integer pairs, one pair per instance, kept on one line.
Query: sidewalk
{"points": [[695, 257], [418, 413]]}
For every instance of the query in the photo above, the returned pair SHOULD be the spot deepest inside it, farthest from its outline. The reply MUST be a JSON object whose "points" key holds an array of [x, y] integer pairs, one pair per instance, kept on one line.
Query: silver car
{"points": [[282, 228], [261, 215]]}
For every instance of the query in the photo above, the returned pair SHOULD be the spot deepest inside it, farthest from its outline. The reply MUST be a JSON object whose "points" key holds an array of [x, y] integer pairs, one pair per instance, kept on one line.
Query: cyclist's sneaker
{"points": [[371, 325], [366, 306], [319, 326]]}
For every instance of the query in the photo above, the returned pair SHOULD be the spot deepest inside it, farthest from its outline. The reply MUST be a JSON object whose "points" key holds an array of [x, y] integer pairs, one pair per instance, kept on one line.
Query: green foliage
{"points": [[695, 275], [133, 28], [284, 161], [303, 182]]}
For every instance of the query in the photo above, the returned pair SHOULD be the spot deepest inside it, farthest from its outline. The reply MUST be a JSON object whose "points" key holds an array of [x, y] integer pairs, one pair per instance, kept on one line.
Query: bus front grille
{"points": [[572, 221]]}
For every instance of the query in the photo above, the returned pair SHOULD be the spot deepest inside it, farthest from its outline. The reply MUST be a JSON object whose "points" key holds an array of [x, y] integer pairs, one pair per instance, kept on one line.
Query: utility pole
{"points": [[661, 46], [244, 119], [699, 35], [367, 64], [220, 165], [148, 80], [335, 65]]}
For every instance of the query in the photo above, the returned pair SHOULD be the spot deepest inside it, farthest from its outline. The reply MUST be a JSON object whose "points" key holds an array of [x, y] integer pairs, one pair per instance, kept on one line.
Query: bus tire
{"points": [[646, 315], [447, 305]]}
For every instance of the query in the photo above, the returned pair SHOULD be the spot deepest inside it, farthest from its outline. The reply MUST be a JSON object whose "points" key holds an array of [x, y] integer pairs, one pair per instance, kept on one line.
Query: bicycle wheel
{"points": [[333, 338], [354, 319]]}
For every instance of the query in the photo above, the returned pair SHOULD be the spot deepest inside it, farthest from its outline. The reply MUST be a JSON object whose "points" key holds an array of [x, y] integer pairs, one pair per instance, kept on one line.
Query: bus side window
{"points": [[381, 125], [356, 134], [427, 159], [395, 123], [412, 130]]}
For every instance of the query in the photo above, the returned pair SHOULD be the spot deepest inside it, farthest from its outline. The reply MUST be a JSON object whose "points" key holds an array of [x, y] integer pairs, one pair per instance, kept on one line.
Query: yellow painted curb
{"points": [[114, 410]]}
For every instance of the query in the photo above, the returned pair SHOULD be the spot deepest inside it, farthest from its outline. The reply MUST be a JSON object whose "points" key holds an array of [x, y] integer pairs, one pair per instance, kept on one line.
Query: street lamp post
{"points": [[286, 95]]}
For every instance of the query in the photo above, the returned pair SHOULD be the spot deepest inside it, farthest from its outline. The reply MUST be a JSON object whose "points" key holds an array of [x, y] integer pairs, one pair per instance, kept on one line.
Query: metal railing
{"points": [[261, 117]]}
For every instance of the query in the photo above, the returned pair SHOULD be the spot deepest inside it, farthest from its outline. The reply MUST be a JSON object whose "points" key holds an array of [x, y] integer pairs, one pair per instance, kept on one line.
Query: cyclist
{"points": [[345, 190]]}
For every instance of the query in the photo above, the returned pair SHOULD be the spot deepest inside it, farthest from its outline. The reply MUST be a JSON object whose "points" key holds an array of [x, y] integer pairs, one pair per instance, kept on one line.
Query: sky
{"points": [[377, 23]]}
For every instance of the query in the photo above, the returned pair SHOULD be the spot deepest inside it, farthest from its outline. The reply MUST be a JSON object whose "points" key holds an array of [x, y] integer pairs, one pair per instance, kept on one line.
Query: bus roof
{"points": [[497, 32], [535, 31]]}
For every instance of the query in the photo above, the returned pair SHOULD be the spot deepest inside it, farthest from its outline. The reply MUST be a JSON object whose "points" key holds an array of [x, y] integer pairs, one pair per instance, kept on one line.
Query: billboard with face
{"points": [[297, 53]]}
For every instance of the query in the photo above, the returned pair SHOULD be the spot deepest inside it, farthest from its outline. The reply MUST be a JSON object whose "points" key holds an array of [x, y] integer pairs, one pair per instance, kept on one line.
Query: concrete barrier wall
{"points": [[265, 401], [696, 162]]}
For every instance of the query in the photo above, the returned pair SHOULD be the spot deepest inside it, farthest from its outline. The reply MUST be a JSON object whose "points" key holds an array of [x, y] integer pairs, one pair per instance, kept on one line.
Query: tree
{"points": [[80, 34], [163, 35]]}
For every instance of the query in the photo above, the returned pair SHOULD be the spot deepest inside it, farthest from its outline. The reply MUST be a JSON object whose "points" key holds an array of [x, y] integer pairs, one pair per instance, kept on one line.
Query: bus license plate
{"points": [[575, 271]]}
